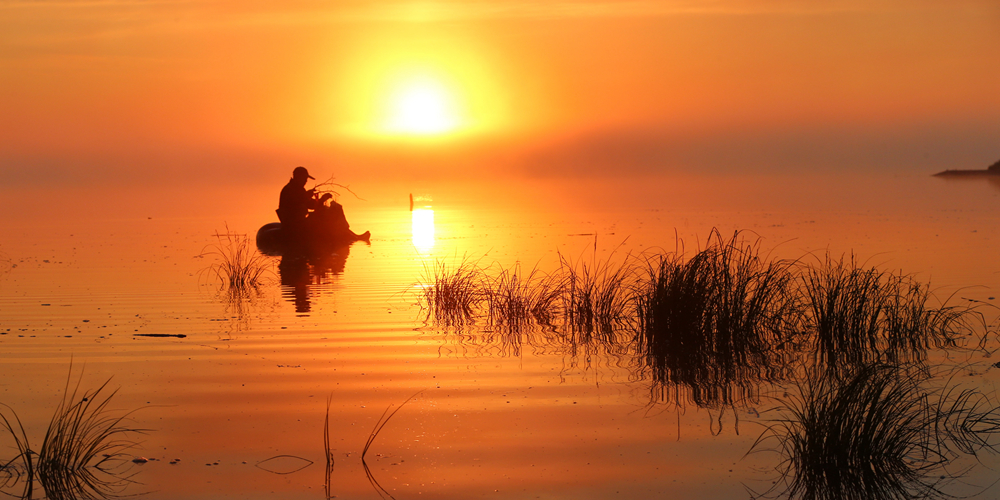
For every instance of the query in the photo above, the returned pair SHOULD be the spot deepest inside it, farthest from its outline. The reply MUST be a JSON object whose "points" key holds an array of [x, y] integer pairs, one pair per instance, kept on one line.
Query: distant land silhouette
{"points": [[993, 169]]}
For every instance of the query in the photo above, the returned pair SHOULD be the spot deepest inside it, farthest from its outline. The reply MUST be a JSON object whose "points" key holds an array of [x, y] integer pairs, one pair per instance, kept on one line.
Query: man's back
{"points": [[293, 203]]}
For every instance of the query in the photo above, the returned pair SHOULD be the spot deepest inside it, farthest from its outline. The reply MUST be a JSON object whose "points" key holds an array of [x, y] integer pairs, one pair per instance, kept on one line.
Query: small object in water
{"points": [[140, 460]]}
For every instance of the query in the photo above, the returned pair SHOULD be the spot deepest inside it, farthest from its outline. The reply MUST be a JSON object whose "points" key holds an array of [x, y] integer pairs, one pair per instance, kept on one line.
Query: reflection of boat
{"points": [[273, 240]]}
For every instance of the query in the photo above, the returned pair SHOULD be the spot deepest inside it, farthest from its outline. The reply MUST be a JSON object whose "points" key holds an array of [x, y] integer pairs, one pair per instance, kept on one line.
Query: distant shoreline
{"points": [[968, 173], [990, 171]]}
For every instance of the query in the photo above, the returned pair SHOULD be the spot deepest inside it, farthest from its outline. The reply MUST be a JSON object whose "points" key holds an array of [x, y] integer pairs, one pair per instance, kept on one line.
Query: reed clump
{"points": [[596, 296], [709, 328], [452, 293], [83, 446], [241, 268], [516, 299], [857, 315], [876, 432], [718, 322]]}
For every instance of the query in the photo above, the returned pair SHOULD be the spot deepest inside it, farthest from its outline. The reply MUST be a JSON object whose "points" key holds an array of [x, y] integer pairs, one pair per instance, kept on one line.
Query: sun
{"points": [[434, 92], [421, 106]]}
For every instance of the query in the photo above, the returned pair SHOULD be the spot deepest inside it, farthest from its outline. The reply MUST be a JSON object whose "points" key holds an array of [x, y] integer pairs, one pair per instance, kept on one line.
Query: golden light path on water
{"points": [[423, 229]]}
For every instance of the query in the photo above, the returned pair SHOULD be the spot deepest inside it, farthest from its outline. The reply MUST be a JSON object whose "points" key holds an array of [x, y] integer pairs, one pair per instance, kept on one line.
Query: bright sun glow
{"points": [[421, 107], [443, 88]]}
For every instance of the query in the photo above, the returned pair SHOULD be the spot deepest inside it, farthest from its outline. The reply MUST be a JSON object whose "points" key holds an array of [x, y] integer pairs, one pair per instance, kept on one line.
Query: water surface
{"points": [[524, 415]]}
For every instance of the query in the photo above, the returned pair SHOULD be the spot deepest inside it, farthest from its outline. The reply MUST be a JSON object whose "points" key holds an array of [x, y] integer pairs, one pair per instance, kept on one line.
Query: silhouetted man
{"points": [[295, 202]]}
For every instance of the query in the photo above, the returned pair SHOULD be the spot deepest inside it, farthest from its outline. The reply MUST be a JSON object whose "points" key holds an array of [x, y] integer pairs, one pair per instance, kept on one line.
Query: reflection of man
{"points": [[295, 201], [300, 275], [295, 282]]}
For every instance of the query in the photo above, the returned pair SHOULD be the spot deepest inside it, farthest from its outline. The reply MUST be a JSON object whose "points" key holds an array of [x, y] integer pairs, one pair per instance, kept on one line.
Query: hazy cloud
{"points": [[313, 11]]}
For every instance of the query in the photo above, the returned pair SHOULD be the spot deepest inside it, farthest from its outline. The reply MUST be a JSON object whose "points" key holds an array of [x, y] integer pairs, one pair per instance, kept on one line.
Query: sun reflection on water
{"points": [[423, 229]]}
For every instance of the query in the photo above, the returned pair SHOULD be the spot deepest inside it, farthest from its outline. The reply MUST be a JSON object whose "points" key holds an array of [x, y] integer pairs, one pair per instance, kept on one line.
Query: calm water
{"points": [[518, 418]]}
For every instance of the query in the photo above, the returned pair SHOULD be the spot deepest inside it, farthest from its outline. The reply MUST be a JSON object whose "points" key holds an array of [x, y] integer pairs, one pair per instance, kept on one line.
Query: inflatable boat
{"points": [[273, 240]]}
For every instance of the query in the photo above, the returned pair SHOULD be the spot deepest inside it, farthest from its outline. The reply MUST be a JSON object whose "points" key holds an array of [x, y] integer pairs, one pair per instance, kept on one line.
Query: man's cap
{"points": [[301, 172]]}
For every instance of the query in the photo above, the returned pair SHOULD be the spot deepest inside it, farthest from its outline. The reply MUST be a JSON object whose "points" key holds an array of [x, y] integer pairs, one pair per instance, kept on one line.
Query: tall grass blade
{"points": [[384, 420], [326, 448]]}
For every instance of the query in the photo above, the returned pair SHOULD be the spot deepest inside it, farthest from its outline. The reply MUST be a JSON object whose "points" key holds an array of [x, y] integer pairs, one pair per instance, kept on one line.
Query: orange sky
{"points": [[92, 90]]}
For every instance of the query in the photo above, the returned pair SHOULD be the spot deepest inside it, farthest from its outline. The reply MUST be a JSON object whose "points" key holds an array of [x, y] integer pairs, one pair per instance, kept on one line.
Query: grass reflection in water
{"points": [[879, 431], [239, 275], [721, 328]]}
